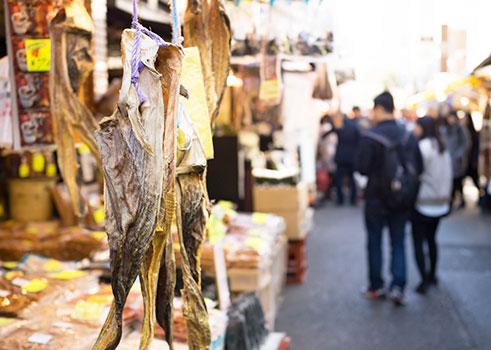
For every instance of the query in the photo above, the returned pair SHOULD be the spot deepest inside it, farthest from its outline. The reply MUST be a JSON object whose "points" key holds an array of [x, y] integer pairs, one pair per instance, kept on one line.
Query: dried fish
{"points": [[131, 143], [207, 26], [192, 214], [71, 31], [159, 299]]}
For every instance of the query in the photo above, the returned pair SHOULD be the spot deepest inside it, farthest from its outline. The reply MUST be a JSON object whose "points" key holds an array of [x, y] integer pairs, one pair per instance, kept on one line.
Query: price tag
{"points": [[269, 90], [52, 265], [10, 264], [99, 216], [35, 286], [4, 321], [40, 338], [38, 55], [20, 282], [256, 243], [259, 218], [64, 325], [38, 162], [51, 170], [4, 293], [23, 171], [84, 149], [87, 311], [68, 274], [100, 235], [13, 274]]}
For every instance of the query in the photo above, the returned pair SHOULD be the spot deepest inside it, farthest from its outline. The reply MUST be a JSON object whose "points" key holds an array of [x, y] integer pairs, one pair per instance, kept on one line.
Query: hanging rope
{"points": [[176, 26], [136, 63]]}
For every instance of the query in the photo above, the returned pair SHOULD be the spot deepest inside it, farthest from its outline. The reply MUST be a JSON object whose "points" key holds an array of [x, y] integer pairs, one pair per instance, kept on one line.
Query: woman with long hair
{"points": [[433, 200]]}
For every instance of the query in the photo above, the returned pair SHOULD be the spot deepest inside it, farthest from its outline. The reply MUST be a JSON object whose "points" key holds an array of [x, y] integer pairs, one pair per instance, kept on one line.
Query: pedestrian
{"points": [[384, 151], [433, 200], [348, 139], [472, 165], [456, 142], [362, 121]]}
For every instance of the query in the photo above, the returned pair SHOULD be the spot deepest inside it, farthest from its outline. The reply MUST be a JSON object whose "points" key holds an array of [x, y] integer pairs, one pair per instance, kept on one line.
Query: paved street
{"points": [[328, 313]]}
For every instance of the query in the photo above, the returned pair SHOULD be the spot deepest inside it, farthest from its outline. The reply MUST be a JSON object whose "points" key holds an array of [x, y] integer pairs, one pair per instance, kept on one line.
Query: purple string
{"points": [[136, 63]]}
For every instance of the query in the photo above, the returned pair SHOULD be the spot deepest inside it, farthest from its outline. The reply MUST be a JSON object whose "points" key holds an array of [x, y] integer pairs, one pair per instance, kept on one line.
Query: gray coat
{"points": [[456, 142]]}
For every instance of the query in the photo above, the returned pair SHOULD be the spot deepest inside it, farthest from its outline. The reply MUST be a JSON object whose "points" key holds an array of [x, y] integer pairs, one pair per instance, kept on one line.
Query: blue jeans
{"points": [[342, 172], [376, 217]]}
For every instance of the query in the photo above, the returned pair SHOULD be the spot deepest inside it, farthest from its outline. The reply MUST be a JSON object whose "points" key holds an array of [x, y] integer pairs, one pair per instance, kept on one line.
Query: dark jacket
{"points": [[369, 160], [348, 140]]}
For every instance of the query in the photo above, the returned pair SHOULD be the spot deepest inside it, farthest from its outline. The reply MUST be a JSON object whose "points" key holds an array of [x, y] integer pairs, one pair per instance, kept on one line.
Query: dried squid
{"points": [[71, 32]]}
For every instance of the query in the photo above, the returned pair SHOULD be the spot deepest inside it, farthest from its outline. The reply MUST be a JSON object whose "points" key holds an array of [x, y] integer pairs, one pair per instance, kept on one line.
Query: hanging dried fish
{"points": [[192, 214], [71, 33], [207, 26], [131, 143]]}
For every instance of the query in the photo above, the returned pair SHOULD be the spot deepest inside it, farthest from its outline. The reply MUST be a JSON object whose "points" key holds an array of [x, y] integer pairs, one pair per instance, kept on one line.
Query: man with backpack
{"points": [[389, 156]]}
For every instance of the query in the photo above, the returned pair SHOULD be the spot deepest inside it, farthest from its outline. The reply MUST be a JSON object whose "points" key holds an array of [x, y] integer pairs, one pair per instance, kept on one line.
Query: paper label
{"points": [[259, 218], [20, 282], [196, 106], [51, 170], [35, 286], [87, 311], [99, 215], [38, 162], [23, 171], [40, 338], [62, 325], [4, 321], [100, 235], [68, 274], [52, 265], [269, 90], [38, 55], [4, 293], [13, 274], [10, 264]]}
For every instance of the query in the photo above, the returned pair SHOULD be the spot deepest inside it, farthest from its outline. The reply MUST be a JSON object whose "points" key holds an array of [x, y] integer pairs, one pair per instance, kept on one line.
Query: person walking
{"points": [[389, 156], [457, 143], [348, 139], [433, 201], [472, 158]]}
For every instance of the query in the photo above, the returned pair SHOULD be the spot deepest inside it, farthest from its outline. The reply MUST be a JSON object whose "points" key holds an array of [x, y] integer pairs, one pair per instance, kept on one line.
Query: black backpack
{"points": [[399, 185]]}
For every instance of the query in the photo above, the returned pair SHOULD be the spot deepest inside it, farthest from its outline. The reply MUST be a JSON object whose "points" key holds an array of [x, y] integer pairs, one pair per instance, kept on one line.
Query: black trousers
{"points": [[424, 234]]}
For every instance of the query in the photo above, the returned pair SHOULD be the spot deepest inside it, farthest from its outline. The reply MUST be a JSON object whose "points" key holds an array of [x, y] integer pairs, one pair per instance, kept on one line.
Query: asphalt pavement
{"points": [[327, 312]]}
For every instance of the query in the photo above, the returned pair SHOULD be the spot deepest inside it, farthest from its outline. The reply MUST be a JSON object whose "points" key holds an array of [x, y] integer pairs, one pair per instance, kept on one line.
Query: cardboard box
{"points": [[247, 280], [298, 223], [273, 199]]}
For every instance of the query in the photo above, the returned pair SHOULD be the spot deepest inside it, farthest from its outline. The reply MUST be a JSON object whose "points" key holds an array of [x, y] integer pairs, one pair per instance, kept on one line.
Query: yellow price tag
{"points": [[87, 311], [176, 246], [13, 274], [38, 162], [100, 235], [68, 274], [83, 149], [32, 230], [24, 170], [255, 243], [10, 264], [35, 286], [99, 215], [101, 299], [259, 218], [26, 243], [38, 55], [4, 321], [226, 204], [51, 170], [269, 90], [52, 265]]}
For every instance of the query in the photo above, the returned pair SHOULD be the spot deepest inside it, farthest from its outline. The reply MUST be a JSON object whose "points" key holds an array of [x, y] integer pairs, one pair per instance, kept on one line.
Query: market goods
{"points": [[131, 143], [207, 26], [71, 32], [192, 214], [161, 257]]}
